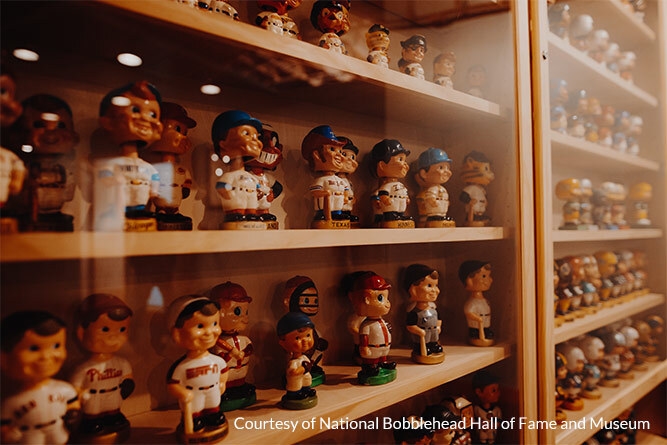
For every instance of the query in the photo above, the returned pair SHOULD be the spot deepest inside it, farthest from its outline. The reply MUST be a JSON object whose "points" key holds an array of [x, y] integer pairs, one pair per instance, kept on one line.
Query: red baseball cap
{"points": [[370, 280]]}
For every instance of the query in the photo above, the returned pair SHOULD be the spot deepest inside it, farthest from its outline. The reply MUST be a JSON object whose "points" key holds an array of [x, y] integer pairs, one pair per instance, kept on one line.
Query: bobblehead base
{"points": [[430, 359], [237, 397], [119, 436], [397, 224], [438, 224], [307, 403], [383, 376], [173, 222], [205, 436], [243, 225], [140, 225], [480, 342], [331, 224]]}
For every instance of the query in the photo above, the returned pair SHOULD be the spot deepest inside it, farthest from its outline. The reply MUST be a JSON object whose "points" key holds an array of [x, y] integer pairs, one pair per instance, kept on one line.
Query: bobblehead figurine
{"points": [[269, 187], [487, 410], [463, 409], [236, 140], [104, 380], [48, 128], [593, 350], [412, 55], [198, 378], [559, 19], [232, 346], [476, 79], [423, 321], [332, 18], [175, 180], [444, 67], [219, 7], [124, 184], [569, 190], [640, 195], [476, 174], [390, 201], [36, 409], [12, 170], [271, 21], [281, 8], [350, 165], [369, 295], [434, 168], [476, 277], [324, 153], [301, 295], [575, 362], [377, 41], [295, 333]]}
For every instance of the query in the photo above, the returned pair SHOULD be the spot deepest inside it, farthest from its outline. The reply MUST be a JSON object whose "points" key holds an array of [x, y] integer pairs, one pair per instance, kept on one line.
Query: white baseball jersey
{"points": [[242, 187], [10, 165], [398, 195], [201, 376], [99, 384], [335, 186], [427, 207], [296, 382], [478, 306], [173, 179], [375, 334], [38, 412]]}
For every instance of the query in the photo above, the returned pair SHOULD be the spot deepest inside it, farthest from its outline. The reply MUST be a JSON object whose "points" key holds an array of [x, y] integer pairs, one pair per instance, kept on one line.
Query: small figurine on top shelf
{"points": [[331, 17], [12, 170], [388, 163], [476, 79], [476, 277], [234, 347], [581, 28], [433, 170], [175, 180], [219, 7], [47, 126], [611, 57], [423, 321], [269, 188], [559, 19], [36, 409], [476, 174], [444, 67], [295, 333], [626, 65], [598, 43], [369, 295], [193, 321], [569, 190], [412, 54], [487, 390], [324, 153], [104, 380], [124, 184], [350, 165], [377, 41], [270, 21], [301, 295], [236, 140]]}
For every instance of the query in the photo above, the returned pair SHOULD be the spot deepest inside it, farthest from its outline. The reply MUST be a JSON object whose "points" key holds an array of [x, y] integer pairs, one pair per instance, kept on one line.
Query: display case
{"points": [[563, 154], [294, 86]]}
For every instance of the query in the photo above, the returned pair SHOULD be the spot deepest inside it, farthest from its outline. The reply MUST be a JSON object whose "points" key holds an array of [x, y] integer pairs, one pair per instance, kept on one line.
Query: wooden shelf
{"points": [[583, 72], [591, 156], [88, 245], [613, 402], [624, 27], [606, 316], [340, 398], [569, 236]]}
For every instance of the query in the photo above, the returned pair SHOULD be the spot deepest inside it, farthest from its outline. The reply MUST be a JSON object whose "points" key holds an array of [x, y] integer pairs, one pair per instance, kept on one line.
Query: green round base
{"points": [[384, 376], [306, 403], [234, 404]]}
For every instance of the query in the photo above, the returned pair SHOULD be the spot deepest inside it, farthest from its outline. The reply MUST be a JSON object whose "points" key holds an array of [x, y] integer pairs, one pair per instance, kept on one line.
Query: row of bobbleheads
{"points": [[130, 193], [604, 358], [332, 19], [211, 377], [580, 32], [603, 207], [583, 284], [451, 420], [585, 117]]}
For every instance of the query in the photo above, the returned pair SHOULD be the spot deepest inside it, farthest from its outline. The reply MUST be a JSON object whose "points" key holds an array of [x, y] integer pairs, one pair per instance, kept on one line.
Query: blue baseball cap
{"points": [[432, 156]]}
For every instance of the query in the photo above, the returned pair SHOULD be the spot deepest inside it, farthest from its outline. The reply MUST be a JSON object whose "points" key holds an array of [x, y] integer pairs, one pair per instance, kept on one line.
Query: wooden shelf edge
{"points": [[341, 398], [571, 54], [88, 245], [603, 317], [569, 236], [249, 35], [560, 142], [613, 402]]}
